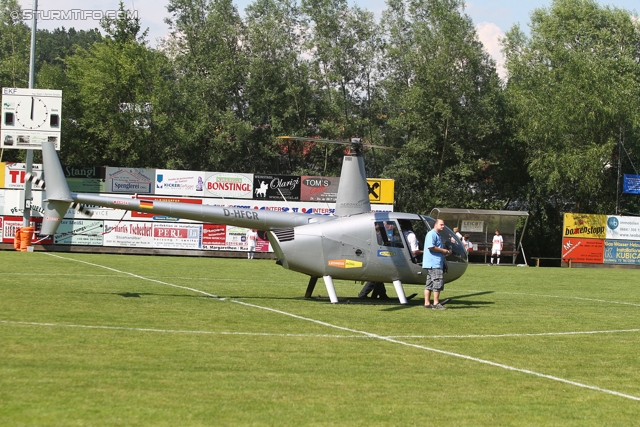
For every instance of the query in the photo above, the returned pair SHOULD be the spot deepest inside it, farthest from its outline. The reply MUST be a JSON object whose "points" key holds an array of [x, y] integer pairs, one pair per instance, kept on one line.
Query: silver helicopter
{"points": [[354, 244]]}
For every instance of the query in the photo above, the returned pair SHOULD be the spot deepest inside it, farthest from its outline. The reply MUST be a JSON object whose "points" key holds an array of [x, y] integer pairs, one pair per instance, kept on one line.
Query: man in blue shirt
{"points": [[433, 263]]}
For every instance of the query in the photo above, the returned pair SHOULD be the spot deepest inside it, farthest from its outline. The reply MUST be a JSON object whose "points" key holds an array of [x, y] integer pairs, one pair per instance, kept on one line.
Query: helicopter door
{"points": [[413, 232]]}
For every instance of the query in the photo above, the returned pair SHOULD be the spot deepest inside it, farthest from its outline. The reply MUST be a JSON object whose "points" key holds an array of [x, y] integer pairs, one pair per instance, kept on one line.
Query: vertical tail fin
{"points": [[58, 197]]}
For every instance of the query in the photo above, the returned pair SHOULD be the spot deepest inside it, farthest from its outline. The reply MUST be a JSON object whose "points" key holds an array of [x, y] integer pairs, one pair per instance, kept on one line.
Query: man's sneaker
{"points": [[428, 306], [438, 307]]}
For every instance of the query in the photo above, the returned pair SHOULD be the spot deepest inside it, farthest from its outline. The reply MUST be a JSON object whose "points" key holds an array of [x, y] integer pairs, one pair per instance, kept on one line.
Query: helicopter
{"points": [[353, 244]]}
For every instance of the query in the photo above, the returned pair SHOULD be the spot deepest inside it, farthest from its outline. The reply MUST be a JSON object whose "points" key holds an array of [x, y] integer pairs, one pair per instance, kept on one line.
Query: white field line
{"points": [[174, 331], [379, 337], [552, 296], [267, 334], [209, 279]]}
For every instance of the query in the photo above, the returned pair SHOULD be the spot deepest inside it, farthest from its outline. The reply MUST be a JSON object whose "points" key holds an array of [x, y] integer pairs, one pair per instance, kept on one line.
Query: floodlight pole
{"points": [[32, 78]]}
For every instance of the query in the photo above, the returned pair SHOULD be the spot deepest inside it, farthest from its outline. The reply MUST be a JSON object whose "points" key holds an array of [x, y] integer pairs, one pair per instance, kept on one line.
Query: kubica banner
{"points": [[621, 252]]}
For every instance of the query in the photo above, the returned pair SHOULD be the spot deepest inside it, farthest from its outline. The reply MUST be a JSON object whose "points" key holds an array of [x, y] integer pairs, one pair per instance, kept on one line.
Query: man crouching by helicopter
{"points": [[434, 262]]}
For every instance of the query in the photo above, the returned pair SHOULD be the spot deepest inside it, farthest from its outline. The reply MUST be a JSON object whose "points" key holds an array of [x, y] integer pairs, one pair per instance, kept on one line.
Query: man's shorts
{"points": [[495, 252], [435, 280]]}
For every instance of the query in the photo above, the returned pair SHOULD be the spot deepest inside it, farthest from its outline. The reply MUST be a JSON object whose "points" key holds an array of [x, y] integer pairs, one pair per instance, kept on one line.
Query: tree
{"points": [[445, 108], [14, 46], [122, 98], [209, 54], [574, 89], [278, 93], [344, 44]]}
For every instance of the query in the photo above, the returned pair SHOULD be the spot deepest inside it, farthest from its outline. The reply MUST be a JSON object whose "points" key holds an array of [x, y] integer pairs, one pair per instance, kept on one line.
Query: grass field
{"points": [[161, 341]]}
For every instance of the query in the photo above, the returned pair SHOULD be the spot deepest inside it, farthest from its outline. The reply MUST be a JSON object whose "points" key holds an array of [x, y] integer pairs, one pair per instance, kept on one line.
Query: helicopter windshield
{"points": [[450, 241]]}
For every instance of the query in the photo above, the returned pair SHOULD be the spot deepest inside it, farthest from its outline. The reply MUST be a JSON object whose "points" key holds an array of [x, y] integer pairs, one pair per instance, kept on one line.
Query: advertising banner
{"points": [[319, 189], [177, 236], [179, 183], [79, 232], [85, 179], [228, 185], [381, 190], [276, 187], [472, 226], [2, 166], [623, 227], [14, 174], [214, 236], [586, 226], [229, 238], [129, 180], [583, 250], [13, 203], [631, 184], [9, 227], [128, 234], [621, 252]]}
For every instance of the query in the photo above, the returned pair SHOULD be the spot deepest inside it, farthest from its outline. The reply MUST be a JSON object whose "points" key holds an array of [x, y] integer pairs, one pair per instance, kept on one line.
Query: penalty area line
{"points": [[376, 336]]}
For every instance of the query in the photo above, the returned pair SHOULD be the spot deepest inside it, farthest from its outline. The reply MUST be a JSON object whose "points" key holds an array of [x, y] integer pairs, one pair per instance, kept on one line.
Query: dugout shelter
{"points": [[481, 224]]}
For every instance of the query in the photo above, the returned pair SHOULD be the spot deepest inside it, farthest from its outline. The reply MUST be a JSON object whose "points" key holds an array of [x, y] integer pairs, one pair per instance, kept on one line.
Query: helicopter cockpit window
{"points": [[387, 234]]}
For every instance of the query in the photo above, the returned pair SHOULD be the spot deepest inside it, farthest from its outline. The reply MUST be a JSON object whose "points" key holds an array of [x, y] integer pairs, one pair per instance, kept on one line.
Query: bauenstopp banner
{"points": [[586, 226]]}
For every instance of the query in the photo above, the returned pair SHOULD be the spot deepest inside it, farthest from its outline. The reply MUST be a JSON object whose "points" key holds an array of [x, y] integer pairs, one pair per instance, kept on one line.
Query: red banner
{"points": [[583, 250]]}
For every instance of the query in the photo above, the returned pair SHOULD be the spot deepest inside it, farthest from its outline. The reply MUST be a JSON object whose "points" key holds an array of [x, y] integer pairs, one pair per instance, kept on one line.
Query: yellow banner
{"points": [[381, 190], [2, 174], [589, 226]]}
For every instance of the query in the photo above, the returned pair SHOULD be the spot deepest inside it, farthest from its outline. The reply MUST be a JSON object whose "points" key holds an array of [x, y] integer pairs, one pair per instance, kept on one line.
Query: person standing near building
{"points": [[496, 247], [434, 263], [468, 246], [252, 239], [457, 232]]}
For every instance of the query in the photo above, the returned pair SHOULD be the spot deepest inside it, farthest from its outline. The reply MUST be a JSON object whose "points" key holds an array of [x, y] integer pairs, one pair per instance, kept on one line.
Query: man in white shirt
{"points": [[496, 247], [252, 239]]}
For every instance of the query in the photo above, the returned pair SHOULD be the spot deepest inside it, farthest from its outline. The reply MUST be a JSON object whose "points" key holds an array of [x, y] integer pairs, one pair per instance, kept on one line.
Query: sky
{"points": [[491, 18]]}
